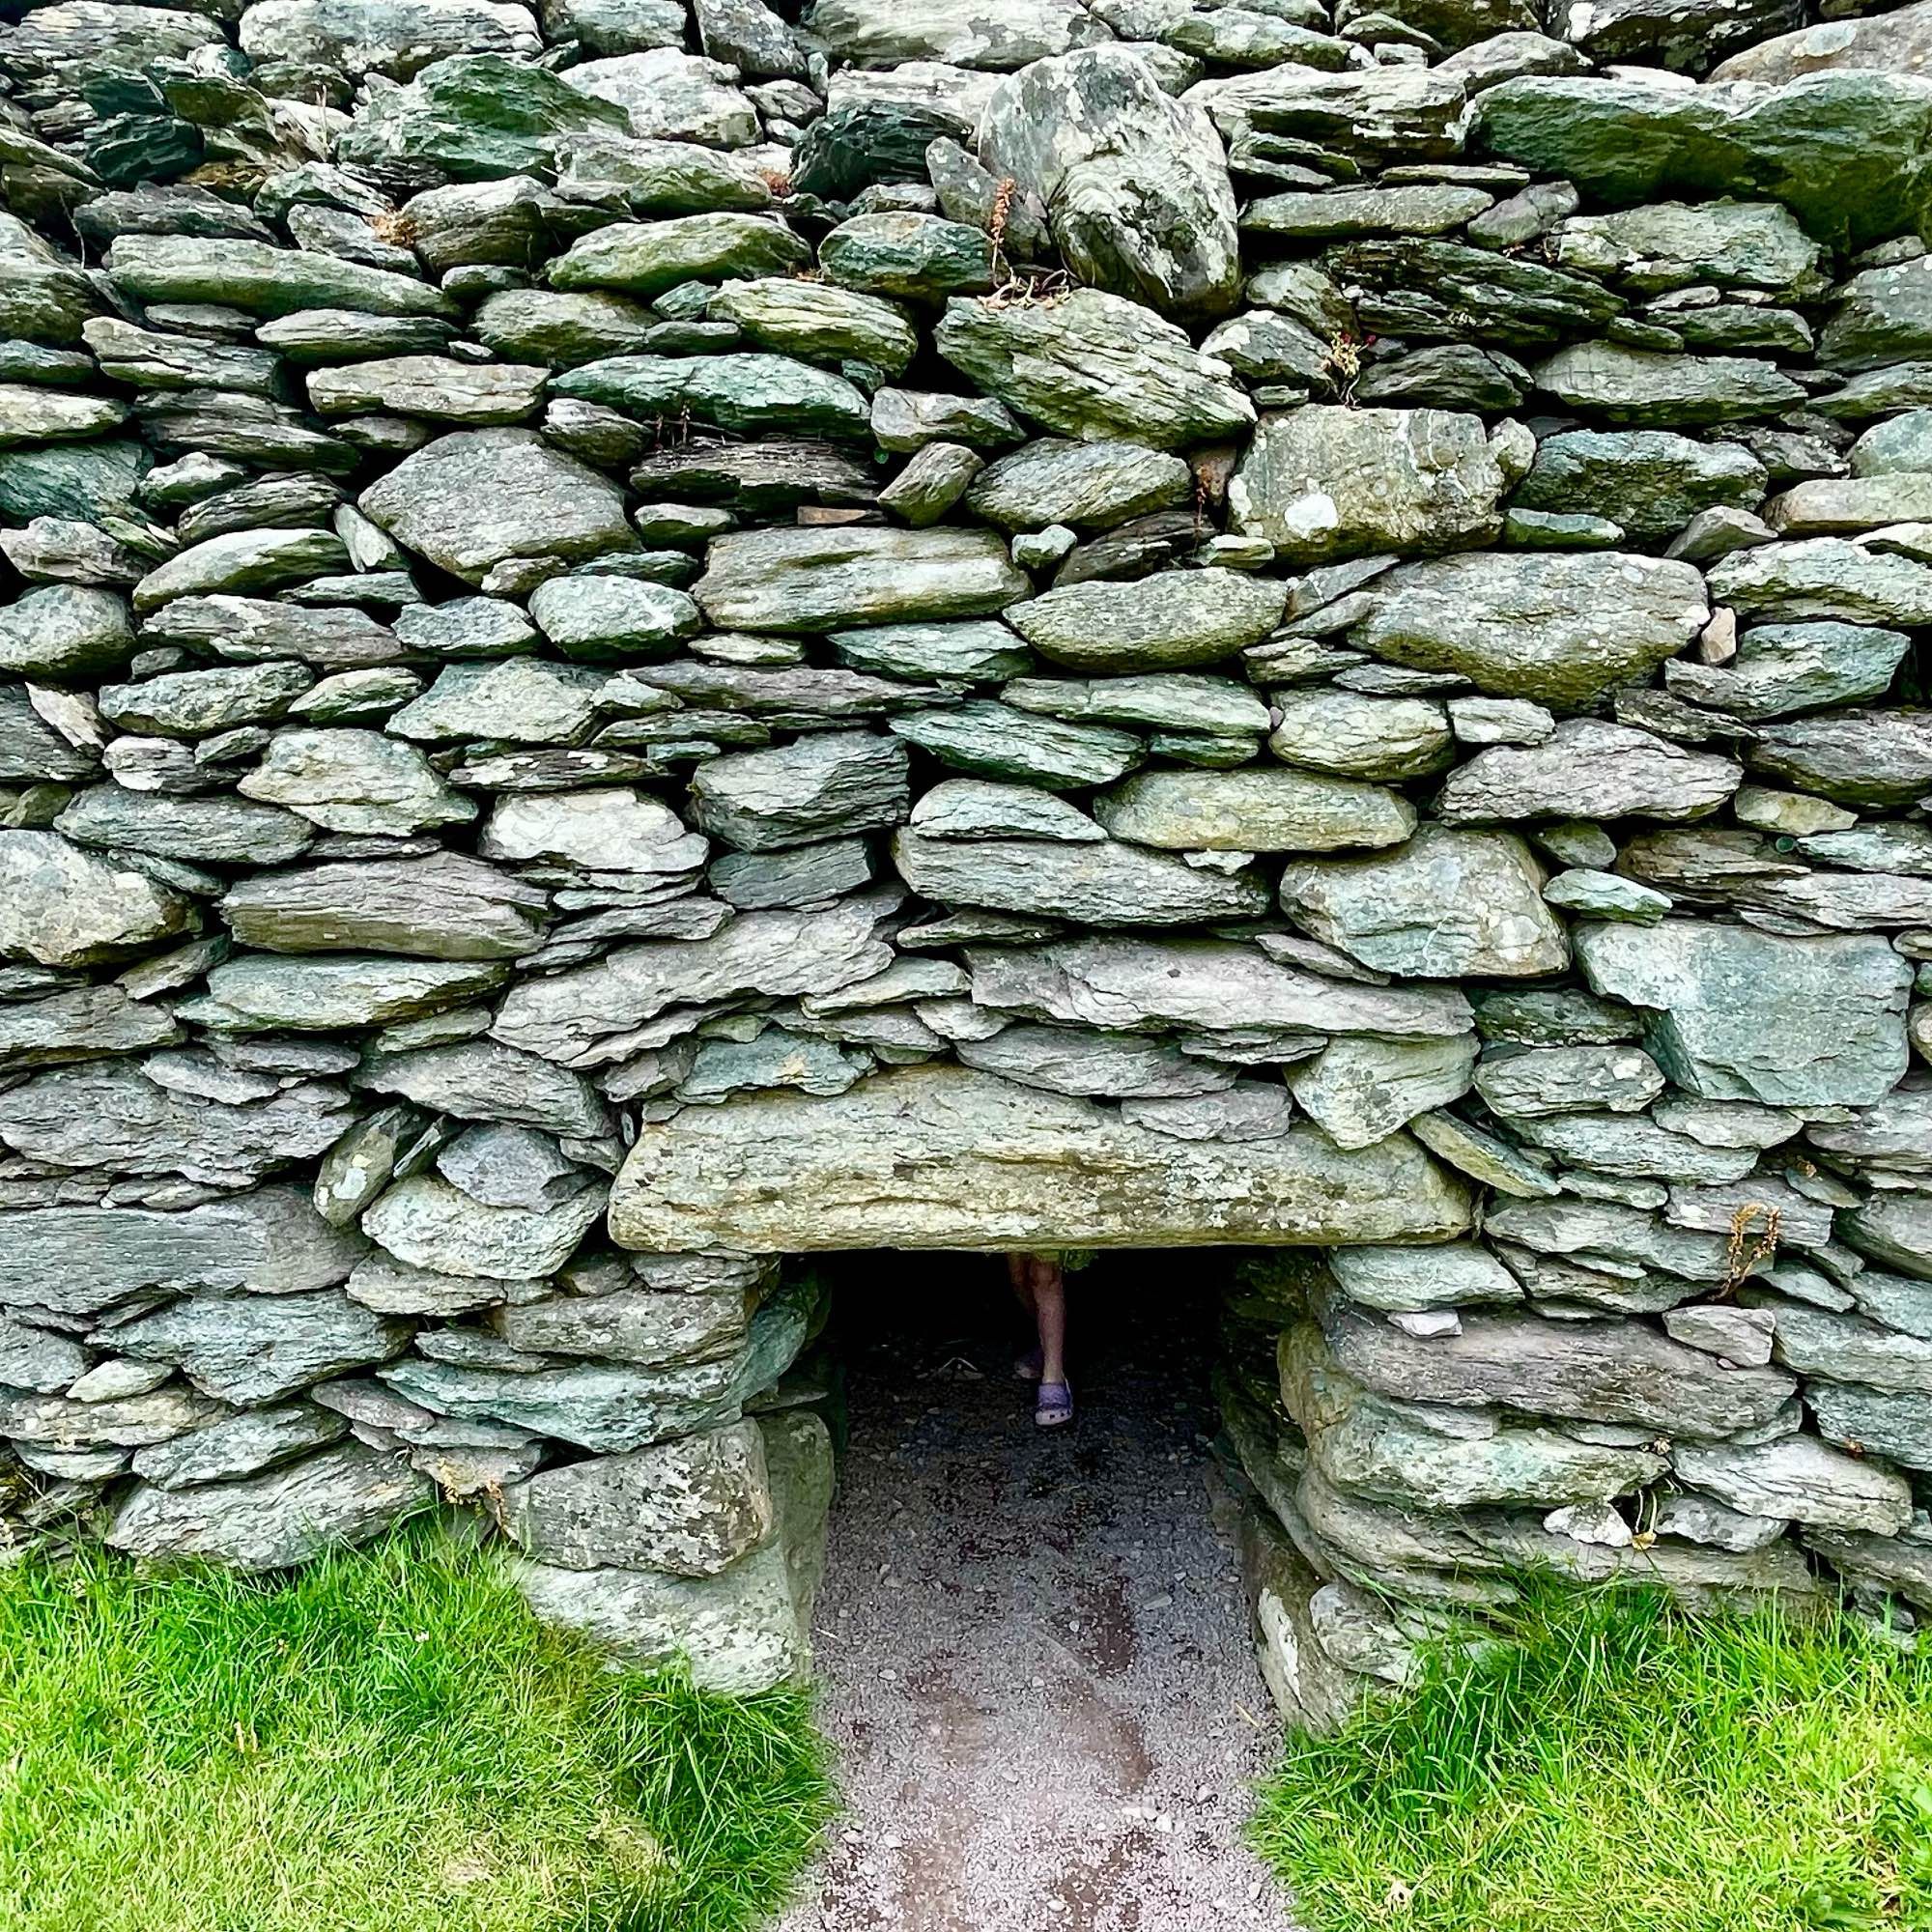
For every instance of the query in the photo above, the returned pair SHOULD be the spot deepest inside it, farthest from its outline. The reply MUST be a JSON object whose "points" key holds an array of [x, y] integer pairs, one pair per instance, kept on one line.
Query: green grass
{"points": [[387, 1742], [1622, 1768]]}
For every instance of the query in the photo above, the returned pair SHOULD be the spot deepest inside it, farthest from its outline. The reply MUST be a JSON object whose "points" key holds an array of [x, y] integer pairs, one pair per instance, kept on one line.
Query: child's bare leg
{"points": [[1019, 1275], [1049, 1307]]}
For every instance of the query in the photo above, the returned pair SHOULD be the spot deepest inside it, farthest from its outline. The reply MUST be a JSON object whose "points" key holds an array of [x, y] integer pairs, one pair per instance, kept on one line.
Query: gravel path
{"points": [[1035, 1656]]}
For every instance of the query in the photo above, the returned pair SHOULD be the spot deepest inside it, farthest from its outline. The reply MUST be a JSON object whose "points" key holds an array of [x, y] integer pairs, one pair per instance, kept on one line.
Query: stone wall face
{"points": [[643, 638]]}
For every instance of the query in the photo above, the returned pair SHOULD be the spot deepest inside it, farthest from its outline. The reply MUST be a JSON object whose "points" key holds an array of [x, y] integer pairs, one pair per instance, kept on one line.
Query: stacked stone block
{"points": [[643, 638]]}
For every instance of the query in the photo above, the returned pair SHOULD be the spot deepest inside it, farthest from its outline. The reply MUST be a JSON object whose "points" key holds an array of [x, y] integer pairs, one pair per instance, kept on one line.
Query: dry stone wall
{"points": [[641, 637]]}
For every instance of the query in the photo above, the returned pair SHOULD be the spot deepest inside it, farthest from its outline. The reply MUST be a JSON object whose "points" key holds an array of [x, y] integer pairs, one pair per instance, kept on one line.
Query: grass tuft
{"points": [[388, 1742], [1618, 1766]]}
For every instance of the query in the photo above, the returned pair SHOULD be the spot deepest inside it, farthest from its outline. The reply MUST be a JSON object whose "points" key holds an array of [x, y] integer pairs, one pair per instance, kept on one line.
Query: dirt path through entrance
{"points": [[1035, 1658]]}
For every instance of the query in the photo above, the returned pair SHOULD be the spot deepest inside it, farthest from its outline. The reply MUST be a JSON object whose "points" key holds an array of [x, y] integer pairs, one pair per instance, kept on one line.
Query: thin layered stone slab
{"points": [[944, 1157]]}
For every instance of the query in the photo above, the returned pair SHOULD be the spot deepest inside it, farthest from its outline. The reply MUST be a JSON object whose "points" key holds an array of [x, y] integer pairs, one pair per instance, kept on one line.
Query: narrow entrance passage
{"points": [[1034, 1650]]}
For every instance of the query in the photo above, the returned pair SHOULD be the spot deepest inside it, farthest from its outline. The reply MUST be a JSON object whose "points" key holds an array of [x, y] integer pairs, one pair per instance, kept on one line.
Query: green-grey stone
{"points": [[919, 257], [1172, 701], [65, 630], [1164, 622], [935, 479], [1900, 445], [261, 993], [1348, 213], [1738, 1014], [1090, 485], [1671, 245], [561, 331], [1446, 904], [1350, 735], [1854, 758], [1327, 483], [831, 579], [476, 498], [1253, 811], [750, 394], [1824, 578], [1061, 1168], [981, 650], [644, 258], [1884, 315], [1785, 668], [1370, 1446], [1096, 366], [818, 320], [1643, 388], [996, 741], [474, 117], [1650, 481], [84, 480], [1106, 883], [263, 279], [1556, 627], [1847, 152]]}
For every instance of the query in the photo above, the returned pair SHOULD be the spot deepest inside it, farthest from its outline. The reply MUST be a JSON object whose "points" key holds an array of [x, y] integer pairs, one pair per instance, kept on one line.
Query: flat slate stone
{"points": [[1326, 482], [242, 1445], [1559, 628], [1808, 144], [1253, 811], [348, 779], [1588, 769], [65, 906], [1590, 1371], [1369, 1446], [1447, 903], [1095, 365], [1352, 736], [445, 905], [1108, 884], [570, 1016], [1646, 389], [1002, 742], [1742, 1014], [944, 1157], [476, 499], [253, 1348], [1091, 486], [643, 258], [290, 1515], [429, 1224], [82, 1260], [1854, 758], [830, 580], [110, 1115], [748, 393], [1651, 481], [827, 785], [263, 992], [1168, 621], [1200, 985], [473, 117], [1785, 668], [1099, 1066], [262, 278]]}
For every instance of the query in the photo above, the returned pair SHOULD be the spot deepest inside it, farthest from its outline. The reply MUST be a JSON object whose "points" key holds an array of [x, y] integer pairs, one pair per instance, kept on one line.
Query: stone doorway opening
{"points": [[1034, 1650]]}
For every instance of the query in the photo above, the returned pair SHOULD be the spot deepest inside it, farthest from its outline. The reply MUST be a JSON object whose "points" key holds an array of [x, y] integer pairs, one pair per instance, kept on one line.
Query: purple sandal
{"points": [[1053, 1406]]}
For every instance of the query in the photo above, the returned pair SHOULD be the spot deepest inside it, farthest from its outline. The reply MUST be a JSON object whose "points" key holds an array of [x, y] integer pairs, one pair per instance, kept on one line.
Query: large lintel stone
{"points": [[943, 1158]]}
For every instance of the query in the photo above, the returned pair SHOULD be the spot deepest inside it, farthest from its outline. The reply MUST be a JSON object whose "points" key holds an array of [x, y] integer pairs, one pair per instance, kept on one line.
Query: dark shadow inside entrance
{"points": [[1033, 1649]]}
